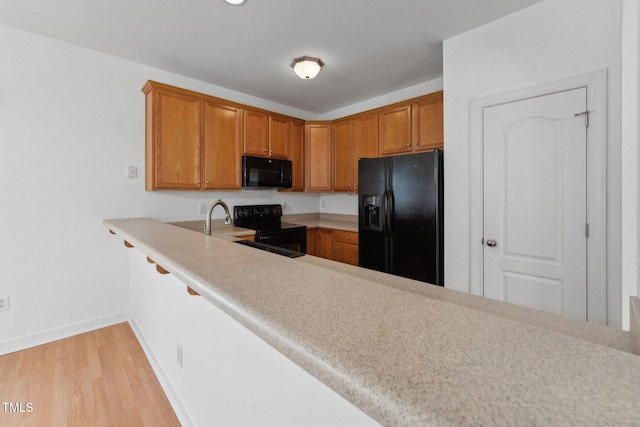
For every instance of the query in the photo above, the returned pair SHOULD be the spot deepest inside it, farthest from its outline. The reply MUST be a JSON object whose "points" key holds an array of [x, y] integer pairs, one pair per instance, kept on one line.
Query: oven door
{"points": [[294, 240]]}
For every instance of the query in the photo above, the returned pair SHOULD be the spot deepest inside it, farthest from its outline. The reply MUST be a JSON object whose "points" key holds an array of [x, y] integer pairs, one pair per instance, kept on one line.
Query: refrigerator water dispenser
{"points": [[372, 214]]}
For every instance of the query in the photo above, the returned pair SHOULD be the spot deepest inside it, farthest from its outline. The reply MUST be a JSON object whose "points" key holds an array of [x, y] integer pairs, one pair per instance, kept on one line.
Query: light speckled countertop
{"points": [[407, 353], [324, 220]]}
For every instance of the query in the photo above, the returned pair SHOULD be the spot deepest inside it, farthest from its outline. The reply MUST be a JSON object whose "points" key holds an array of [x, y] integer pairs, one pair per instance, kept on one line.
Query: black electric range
{"points": [[270, 230]]}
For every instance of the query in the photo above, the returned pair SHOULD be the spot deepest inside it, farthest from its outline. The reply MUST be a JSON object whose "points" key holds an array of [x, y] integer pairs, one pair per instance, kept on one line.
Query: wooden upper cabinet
{"points": [[266, 135], [365, 141], [256, 133], [173, 139], [427, 121], [395, 130], [343, 154], [296, 132], [196, 141], [279, 138], [222, 146], [193, 141], [317, 156]]}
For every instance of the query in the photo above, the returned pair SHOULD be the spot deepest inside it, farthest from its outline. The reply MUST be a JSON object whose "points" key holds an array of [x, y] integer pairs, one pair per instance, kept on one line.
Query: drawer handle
{"points": [[348, 238]]}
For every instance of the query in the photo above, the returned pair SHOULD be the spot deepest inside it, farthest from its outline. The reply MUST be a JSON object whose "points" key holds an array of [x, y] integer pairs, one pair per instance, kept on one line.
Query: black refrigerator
{"points": [[400, 215]]}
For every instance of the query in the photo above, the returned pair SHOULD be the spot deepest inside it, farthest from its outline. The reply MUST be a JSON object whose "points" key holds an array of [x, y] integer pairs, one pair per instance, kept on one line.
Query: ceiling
{"points": [[370, 47]]}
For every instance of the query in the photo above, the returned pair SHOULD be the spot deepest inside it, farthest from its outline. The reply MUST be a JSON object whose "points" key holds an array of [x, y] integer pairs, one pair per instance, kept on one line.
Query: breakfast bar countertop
{"points": [[404, 352]]}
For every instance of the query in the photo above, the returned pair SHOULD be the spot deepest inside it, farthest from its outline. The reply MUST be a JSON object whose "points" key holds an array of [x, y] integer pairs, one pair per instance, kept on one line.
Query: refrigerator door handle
{"points": [[388, 212], [383, 212]]}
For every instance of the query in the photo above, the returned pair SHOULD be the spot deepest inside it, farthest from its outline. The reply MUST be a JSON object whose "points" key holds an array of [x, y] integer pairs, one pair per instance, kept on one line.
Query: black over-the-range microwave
{"points": [[265, 173]]}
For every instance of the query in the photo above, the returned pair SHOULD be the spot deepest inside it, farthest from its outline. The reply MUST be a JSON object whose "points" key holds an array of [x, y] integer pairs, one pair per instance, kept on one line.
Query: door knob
{"points": [[491, 243]]}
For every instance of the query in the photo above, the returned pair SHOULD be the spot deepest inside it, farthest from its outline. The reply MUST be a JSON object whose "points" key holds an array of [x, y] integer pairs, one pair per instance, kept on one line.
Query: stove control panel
{"points": [[257, 211]]}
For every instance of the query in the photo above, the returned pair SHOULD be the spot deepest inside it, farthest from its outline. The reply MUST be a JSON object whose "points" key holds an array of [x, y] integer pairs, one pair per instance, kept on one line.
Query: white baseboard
{"points": [[55, 334], [635, 324], [181, 412]]}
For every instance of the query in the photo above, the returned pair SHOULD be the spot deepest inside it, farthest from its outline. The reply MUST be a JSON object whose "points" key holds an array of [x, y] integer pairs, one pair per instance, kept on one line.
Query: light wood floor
{"points": [[101, 378]]}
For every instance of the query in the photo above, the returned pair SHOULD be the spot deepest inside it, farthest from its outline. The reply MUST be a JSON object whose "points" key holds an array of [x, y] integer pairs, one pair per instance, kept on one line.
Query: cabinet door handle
{"points": [[335, 249], [416, 143], [198, 182], [265, 150], [408, 145], [207, 182]]}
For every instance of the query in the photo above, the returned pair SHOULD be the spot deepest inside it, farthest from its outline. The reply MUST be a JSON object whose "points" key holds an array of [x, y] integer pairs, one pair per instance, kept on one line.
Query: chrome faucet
{"points": [[227, 216]]}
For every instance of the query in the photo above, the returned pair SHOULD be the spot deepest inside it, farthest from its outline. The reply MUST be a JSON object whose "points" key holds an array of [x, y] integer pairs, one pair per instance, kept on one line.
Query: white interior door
{"points": [[535, 203]]}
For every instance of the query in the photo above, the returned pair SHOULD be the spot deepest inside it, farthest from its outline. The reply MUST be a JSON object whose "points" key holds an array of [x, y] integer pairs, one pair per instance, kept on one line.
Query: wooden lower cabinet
{"points": [[336, 245], [325, 243], [312, 241], [345, 247]]}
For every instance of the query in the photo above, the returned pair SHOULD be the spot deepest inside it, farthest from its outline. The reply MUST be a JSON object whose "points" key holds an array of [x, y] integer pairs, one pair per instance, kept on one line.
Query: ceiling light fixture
{"points": [[307, 67], [235, 2]]}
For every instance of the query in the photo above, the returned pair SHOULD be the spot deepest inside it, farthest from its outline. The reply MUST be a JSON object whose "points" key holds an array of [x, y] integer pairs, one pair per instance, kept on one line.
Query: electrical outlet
{"points": [[202, 208], [179, 354], [4, 303], [132, 172]]}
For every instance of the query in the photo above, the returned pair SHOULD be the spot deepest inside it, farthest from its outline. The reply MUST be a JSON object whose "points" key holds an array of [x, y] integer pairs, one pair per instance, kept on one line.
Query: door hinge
{"points": [[586, 230], [586, 117]]}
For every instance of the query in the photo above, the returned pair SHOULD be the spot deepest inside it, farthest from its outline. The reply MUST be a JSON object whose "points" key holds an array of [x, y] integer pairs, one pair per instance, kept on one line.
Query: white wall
{"points": [[629, 151], [71, 121], [226, 368], [552, 40], [386, 99]]}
